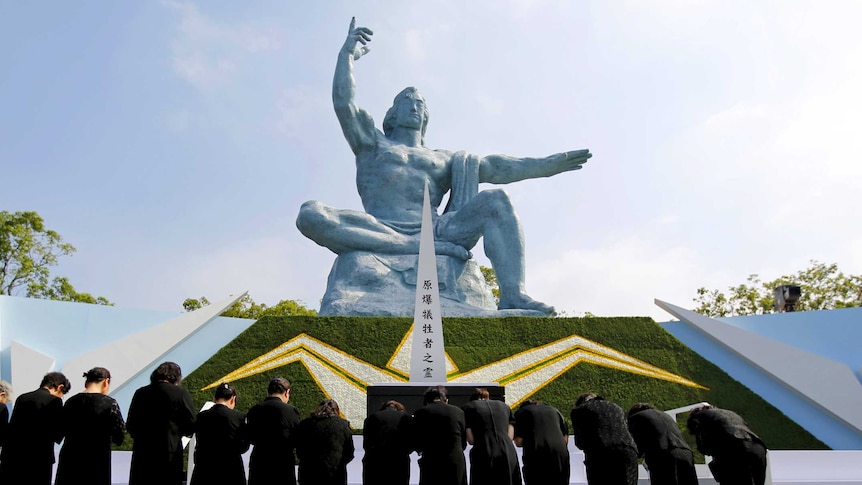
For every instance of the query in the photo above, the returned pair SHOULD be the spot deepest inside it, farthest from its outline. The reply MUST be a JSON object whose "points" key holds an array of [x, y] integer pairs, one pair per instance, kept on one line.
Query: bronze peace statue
{"points": [[375, 271]]}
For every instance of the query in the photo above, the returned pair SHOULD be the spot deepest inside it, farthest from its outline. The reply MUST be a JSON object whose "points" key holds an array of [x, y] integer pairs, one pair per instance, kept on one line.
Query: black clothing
{"points": [[325, 447], [271, 426], [493, 460], [159, 416], [439, 435], [600, 429], [738, 455], [90, 422], [4, 423], [28, 454], [544, 434], [220, 441], [666, 453], [743, 466], [386, 441]]}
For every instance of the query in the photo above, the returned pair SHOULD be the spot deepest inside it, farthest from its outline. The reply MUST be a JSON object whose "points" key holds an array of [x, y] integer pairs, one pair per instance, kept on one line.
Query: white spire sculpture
{"points": [[428, 362]]}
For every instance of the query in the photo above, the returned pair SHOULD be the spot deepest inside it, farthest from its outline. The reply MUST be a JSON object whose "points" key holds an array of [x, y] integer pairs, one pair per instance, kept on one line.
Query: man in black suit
{"points": [[439, 435], [542, 432], [386, 440], [666, 454], [36, 424], [600, 429], [221, 437], [271, 429], [161, 413], [738, 455]]}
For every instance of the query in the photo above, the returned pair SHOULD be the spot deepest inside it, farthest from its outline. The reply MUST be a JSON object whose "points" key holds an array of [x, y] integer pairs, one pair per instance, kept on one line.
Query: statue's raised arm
{"points": [[356, 123]]}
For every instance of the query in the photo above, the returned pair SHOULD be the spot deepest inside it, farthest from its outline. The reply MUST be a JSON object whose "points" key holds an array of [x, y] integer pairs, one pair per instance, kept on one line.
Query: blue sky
{"points": [[173, 142]]}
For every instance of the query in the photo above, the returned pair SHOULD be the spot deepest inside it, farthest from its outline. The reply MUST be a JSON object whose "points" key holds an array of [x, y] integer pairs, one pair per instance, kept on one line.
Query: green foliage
{"points": [[491, 280], [28, 250], [823, 286], [60, 289], [374, 339], [192, 304], [246, 307]]}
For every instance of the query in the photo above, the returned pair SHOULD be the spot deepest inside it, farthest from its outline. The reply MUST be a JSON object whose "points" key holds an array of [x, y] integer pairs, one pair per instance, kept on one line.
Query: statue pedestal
{"points": [[362, 283]]}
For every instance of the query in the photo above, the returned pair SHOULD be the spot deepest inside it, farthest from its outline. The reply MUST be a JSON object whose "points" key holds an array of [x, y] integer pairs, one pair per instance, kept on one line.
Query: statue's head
{"points": [[402, 109]]}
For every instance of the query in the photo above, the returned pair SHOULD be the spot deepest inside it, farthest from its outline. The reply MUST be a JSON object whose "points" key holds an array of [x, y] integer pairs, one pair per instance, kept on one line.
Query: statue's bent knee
{"points": [[310, 216], [498, 200]]}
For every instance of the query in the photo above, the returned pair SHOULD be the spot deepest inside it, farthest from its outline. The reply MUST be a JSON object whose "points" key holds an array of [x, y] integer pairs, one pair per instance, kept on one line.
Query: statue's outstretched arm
{"points": [[356, 123], [504, 169]]}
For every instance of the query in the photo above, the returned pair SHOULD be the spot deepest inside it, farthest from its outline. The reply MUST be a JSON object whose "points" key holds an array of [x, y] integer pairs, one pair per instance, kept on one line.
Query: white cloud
{"points": [[264, 266], [620, 278], [207, 53], [415, 41], [298, 106], [854, 250], [490, 105], [258, 40], [201, 72], [667, 219]]}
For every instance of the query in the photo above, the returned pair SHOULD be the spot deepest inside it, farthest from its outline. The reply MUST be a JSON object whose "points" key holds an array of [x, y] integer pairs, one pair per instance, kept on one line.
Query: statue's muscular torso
{"points": [[391, 179]]}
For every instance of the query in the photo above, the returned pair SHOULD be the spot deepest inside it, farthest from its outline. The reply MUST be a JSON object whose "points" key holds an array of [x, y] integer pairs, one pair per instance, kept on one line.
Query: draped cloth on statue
{"points": [[465, 180]]}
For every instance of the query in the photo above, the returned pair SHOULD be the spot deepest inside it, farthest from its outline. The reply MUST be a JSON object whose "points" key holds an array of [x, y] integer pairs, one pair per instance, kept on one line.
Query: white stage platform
{"points": [[787, 467]]}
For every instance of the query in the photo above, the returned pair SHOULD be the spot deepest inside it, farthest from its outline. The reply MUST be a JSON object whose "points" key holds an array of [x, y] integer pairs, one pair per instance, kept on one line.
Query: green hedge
{"points": [[467, 342]]}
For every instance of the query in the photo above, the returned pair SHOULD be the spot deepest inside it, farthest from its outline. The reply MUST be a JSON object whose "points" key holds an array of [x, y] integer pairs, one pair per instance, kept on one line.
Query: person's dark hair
{"points": [[392, 404], [692, 422], [96, 374], [641, 406], [224, 392], [389, 119], [326, 409], [530, 402], [54, 379], [436, 393], [587, 396], [479, 394], [278, 385], [167, 371]]}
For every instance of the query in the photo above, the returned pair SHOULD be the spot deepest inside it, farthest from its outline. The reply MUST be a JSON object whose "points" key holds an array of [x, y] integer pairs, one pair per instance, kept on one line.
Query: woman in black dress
{"points": [[490, 429], [161, 413], [91, 421], [221, 439], [386, 440], [324, 446]]}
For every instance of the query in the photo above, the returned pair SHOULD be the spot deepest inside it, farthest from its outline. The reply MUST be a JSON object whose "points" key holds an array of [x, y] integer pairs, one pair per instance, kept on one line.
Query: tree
{"points": [[60, 289], [192, 304], [823, 286], [28, 250], [246, 307], [491, 281]]}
